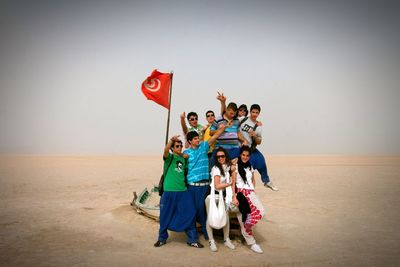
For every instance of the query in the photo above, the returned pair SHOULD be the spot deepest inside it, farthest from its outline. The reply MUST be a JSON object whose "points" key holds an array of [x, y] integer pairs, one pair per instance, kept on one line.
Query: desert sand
{"points": [[75, 210]]}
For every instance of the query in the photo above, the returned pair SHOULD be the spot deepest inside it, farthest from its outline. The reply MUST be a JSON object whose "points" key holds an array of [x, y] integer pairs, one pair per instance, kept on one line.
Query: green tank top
{"points": [[174, 180]]}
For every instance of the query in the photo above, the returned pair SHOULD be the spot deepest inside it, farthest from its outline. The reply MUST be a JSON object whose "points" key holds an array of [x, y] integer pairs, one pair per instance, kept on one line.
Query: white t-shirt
{"points": [[223, 180], [247, 127], [239, 180]]}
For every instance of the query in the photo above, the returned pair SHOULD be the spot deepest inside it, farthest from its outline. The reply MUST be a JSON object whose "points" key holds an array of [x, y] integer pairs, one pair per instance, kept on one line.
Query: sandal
{"points": [[195, 245]]}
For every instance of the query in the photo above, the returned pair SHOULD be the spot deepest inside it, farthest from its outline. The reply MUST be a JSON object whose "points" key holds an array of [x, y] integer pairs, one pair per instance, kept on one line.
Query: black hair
{"points": [[190, 135], [244, 107], [210, 111], [227, 160], [255, 106], [174, 142], [191, 114], [241, 165]]}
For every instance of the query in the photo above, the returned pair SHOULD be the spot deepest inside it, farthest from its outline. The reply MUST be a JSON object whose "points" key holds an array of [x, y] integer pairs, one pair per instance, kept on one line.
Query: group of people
{"points": [[219, 156]]}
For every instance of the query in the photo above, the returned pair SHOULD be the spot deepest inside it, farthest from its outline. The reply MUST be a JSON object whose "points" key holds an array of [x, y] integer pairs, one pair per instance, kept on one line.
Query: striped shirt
{"points": [[229, 138], [198, 163]]}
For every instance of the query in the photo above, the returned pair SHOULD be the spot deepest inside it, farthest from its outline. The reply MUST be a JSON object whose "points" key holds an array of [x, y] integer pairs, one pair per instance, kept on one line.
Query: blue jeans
{"points": [[257, 160], [199, 195]]}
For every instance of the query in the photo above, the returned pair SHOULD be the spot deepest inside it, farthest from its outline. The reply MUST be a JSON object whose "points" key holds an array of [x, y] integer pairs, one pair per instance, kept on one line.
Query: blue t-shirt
{"points": [[229, 138], [198, 163]]}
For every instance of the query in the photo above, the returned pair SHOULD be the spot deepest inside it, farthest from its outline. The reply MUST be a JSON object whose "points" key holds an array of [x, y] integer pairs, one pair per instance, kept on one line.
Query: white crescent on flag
{"points": [[153, 85], [156, 87]]}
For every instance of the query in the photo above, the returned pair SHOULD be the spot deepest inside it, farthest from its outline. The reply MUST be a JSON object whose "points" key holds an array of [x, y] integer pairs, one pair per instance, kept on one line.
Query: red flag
{"points": [[156, 87]]}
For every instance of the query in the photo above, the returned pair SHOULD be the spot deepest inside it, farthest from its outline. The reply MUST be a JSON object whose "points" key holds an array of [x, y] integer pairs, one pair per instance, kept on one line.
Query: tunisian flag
{"points": [[156, 87]]}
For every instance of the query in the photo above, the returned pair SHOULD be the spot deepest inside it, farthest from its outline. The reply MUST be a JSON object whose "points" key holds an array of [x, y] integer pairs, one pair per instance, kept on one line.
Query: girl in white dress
{"points": [[222, 180]]}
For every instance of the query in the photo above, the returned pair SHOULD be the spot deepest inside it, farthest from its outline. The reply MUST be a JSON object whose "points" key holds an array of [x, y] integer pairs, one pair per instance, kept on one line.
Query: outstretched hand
{"points": [[221, 97], [222, 126]]}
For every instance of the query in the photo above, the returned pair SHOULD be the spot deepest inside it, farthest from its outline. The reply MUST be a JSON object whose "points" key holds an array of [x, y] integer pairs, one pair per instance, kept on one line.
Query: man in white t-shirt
{"points": [[253, 134]]}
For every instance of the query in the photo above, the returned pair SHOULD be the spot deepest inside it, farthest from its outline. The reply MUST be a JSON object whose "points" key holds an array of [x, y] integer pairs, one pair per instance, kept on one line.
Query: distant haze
{"points": [[325, 74]]}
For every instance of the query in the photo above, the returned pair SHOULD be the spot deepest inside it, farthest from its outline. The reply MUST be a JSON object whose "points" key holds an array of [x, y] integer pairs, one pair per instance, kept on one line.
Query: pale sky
{"points": [[326, 75]]}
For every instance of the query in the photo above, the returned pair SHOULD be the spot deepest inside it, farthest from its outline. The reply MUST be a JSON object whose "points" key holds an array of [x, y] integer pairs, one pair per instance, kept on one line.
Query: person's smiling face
{"points": [[245, 156], [193, 121]]}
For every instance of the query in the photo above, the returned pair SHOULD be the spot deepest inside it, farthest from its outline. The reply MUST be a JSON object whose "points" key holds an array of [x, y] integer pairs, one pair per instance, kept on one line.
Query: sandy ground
{"points": [[330, 211]]}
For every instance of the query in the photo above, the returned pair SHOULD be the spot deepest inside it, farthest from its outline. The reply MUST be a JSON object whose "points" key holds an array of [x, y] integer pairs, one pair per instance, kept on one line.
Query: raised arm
{"points": [[222, 100], [183, 123], [216, 134], [167, 147]]}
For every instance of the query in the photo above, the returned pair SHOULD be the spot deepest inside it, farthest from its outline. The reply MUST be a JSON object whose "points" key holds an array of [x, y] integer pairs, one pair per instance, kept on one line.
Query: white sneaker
{"points": [[213, 246], [256, 248], [271, 185], [229, 244]]}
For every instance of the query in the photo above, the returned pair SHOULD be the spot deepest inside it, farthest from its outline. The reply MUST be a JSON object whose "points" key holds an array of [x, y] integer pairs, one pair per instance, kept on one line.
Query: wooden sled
{"points": [[147, 203]]}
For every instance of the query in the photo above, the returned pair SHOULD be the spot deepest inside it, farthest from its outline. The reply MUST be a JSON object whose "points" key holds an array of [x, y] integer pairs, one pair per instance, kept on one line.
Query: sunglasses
{"points": [[210, 115], [220, 156], [193, 119], [178, 146]]}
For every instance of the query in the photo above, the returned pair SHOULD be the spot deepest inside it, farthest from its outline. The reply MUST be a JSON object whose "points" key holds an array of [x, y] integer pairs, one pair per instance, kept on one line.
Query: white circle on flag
{"points": [[153, 85]]}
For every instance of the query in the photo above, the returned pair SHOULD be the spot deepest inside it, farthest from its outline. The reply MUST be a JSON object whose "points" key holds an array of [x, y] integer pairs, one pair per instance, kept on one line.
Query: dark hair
{"points": [[174, 142], [210, 111], [245, 148], [227, 160], [244, 107], [190, 114], [241, 165], [232, 106], [255, 106], [190, 135]]}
